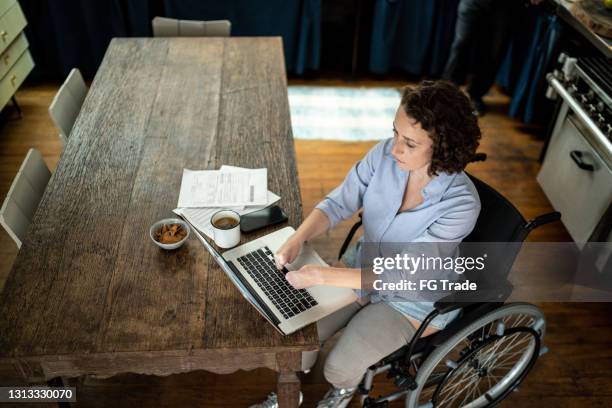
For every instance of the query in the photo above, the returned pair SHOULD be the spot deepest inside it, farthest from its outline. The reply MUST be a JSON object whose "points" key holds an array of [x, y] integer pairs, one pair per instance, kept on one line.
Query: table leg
{"points": [[288, 390], [288, 387], [16, 105]]}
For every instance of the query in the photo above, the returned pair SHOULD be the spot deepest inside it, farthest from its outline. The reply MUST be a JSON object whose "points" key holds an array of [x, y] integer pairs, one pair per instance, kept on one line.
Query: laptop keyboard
{"points": [[260, 265]]}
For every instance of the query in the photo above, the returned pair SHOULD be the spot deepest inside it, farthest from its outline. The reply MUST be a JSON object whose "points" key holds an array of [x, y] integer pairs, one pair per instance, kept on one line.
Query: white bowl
{"points": [[158, 225]]}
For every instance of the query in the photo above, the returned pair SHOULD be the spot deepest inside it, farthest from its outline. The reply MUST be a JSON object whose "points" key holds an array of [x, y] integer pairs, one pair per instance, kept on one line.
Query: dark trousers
{"points": [[482, 33]]}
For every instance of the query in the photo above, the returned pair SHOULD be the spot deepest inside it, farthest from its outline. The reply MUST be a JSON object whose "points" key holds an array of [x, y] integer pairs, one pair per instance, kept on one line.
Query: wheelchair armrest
{"points": [[543, 219], [478, 157], [450, 303], [459, 300], [350, 235], [447, 304], [474, 312]]}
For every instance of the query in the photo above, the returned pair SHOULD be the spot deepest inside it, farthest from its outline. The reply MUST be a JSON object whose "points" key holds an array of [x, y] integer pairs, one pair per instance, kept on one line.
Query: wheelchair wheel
{"points": [[482, 363]]}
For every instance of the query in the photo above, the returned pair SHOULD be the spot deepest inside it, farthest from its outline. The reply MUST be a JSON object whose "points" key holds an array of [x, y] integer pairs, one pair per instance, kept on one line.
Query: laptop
{"points": [[251, 268]]}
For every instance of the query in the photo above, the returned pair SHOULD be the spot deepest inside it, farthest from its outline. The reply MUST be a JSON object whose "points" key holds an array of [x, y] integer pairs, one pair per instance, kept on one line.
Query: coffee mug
{"points": [[226, 228]]}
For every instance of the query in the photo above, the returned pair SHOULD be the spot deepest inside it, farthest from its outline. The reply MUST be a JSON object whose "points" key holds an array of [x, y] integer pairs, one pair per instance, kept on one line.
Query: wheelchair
{"points": [[485, 353]]}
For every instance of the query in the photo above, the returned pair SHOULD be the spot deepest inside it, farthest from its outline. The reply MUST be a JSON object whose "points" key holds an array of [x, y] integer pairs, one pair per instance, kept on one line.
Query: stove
{"points": [[576, 173], [585, 84], [592, 86]]}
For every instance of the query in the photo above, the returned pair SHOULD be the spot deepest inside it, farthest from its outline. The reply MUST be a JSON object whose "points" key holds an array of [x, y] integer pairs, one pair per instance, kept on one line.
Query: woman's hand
{"points": [[313, 275], [306, 276], [288, 251]]}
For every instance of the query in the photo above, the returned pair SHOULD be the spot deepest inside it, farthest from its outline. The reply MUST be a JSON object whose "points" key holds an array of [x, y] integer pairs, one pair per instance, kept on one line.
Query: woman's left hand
{"points": [[306, 276]]}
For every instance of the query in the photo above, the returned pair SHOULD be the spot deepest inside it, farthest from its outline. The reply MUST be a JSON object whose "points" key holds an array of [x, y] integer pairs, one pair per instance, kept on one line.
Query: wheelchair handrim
{"points": [[433, 360]]}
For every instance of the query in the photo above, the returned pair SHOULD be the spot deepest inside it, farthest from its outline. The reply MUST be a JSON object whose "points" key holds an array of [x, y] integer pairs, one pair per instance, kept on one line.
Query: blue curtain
{"points": [[64, 34], [414, 36], [523, 72], [297, 21]]}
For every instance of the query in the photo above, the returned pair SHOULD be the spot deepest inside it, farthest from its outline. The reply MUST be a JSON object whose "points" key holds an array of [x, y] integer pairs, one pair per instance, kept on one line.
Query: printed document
{"points": [[217, 188]]}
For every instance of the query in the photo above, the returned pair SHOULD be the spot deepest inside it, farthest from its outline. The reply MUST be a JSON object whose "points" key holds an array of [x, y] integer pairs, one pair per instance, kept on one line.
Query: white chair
{"points": [[76, 86], [170, 27], [67, 103], [24, 196]]}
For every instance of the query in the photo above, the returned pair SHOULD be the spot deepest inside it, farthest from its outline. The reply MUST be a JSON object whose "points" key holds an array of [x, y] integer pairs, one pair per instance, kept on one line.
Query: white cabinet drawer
{"points": [[5, 5], [12, 54], [13, 79], [576, 180], [11, 24]]}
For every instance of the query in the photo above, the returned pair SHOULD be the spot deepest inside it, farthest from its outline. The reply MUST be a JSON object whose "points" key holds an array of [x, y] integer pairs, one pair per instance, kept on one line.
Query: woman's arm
{"points": [[314, 225], [341, 203]]}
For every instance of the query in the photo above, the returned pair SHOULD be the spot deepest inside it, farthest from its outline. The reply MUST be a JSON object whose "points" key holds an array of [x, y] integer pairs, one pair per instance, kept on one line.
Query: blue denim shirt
{"points": [[376, 184]]}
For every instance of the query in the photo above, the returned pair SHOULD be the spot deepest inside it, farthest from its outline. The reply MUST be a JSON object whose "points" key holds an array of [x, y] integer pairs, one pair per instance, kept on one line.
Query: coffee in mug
{"points": [[226, 228], [225, 223]]}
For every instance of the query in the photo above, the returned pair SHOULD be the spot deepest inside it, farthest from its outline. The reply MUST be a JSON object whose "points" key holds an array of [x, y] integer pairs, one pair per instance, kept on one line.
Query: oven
{"points": [[576, 173]]}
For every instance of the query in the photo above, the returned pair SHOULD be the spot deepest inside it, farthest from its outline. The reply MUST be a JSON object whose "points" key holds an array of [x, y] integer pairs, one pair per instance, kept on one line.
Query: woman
{"points": [[411, 188]]}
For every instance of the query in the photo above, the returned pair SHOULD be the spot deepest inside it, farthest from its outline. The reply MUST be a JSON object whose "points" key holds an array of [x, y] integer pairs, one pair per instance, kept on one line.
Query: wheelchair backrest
{"points": [[498, 222]]}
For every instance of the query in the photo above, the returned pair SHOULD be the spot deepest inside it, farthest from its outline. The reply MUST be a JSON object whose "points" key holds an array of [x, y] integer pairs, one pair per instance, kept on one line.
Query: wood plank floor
{"points": [[577, 372]]}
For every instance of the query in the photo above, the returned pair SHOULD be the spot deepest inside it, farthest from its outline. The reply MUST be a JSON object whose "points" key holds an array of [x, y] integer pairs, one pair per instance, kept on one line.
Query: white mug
{"points": [[226, 237]]}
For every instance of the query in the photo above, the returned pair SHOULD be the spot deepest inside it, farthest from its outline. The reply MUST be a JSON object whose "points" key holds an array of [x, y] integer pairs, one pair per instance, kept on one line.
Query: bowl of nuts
{"points": [[169, 233]]}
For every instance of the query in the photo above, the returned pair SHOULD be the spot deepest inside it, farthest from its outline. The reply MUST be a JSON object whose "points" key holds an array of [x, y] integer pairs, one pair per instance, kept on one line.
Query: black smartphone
{"points": [[262, 218]]}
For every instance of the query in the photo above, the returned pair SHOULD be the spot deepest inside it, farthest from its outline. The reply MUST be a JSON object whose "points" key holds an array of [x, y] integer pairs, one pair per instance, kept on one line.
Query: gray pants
{"points": [[372, 332]]}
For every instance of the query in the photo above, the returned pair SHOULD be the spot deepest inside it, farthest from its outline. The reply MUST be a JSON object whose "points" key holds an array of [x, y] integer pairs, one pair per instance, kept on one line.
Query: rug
{"points": [[341, 113]]}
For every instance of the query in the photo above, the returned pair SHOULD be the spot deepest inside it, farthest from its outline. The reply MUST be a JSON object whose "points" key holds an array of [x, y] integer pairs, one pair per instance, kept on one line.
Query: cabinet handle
{"points": [[7, 59], [13, 79], [3, 34], [576, 156]]}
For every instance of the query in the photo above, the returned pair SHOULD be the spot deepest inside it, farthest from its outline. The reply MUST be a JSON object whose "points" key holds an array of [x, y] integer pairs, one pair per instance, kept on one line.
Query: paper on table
{"points": [[200, 217], [232, 168], [226, 167], [215, 188]]}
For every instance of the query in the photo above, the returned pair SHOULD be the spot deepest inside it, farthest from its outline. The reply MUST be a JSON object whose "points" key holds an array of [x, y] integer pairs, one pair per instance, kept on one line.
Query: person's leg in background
{"points": [[470, 14], [374, 332], [492, 46]]}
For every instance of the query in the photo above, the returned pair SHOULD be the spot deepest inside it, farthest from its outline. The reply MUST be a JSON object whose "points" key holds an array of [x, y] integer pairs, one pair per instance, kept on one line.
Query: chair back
{"points": [[24, 196], [499, 220], [67, 103], [501, 229], [76, 86], [170, 27]]}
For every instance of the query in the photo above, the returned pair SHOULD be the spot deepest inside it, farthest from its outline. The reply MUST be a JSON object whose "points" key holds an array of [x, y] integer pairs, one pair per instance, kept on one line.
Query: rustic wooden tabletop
{"points": [[89, 292]]}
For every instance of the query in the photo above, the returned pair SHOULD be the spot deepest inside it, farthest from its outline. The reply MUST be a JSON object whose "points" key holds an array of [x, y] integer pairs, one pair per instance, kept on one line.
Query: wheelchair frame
{"points": [[403, 365]]}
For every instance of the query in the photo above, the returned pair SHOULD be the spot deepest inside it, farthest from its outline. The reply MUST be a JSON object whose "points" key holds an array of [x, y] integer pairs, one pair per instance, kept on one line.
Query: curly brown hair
{"points": [[446, 114]]}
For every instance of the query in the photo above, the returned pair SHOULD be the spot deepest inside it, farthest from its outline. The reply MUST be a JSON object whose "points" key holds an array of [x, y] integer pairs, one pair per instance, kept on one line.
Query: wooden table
{"points": [[89, 293]]}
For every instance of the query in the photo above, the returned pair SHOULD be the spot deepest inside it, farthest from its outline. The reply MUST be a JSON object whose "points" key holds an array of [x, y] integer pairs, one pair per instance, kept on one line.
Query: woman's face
{"points": [[412, 146]]}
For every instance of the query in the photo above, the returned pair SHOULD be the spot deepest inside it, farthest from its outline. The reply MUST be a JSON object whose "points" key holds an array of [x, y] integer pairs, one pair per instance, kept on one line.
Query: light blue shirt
{"points": [[376, 184]]}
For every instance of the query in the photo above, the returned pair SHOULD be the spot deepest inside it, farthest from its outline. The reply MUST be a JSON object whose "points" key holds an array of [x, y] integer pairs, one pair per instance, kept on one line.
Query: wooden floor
{"points": [[577, 372]]}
